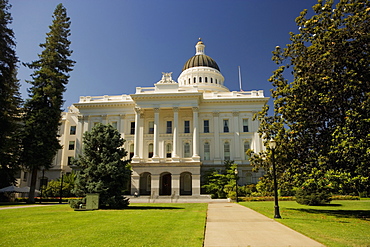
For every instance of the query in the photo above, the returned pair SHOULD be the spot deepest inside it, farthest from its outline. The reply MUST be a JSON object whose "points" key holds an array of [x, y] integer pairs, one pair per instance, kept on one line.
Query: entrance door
{"points": [[145, 183], [165, 183]]}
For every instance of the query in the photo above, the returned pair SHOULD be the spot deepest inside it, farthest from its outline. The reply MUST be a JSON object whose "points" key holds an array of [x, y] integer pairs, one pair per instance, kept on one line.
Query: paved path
{"points": [[231, 224]]}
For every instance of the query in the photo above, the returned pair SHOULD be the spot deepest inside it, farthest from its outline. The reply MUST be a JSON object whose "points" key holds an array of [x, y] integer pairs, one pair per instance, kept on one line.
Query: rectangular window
{"points": [[150, 150], [131, 151], [168, 150], [246, 147], [186, 150], [114, 124], [69, 161], [245, 125], [169, 127], [226, 125], [71, 145], [151, 127], [72, 130], [206, 151], [187, 126], [206, 126], [132, 129], [227, 151]]}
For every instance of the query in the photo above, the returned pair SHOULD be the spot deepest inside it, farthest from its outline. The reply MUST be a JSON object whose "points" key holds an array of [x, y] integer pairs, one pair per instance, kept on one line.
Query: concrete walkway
{"points": [[230, 224]]}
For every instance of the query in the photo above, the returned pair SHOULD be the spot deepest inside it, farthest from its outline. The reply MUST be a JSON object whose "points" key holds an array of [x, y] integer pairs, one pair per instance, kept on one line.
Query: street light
{"points": [[272, 145], [236, 183]]}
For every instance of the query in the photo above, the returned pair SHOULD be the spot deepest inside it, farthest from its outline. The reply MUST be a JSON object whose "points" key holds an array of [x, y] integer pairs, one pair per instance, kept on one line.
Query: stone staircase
{"points": [[175, 199]]}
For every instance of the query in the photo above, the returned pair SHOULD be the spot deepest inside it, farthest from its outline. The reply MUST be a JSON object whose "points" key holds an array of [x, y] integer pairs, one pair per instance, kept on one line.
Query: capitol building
{"points": [[175, 131]]}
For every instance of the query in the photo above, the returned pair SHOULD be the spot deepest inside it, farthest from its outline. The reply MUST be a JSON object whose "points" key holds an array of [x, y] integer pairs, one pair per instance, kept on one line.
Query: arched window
{"points": [[227, 151], [189, 80], [168, 150], [246, 147], [216, 81], [186, 150], [206, 151], [200, 79], [211, 80], [206, 79], [150, 150], [195, 79]]}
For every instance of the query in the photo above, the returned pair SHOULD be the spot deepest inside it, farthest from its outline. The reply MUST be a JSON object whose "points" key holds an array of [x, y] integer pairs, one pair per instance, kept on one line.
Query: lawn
{"points": [[139, 225], [341, 223]]}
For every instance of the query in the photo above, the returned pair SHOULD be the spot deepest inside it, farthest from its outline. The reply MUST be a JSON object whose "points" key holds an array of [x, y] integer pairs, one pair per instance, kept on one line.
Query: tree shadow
{"points": [[153, 208], [358, 214]]}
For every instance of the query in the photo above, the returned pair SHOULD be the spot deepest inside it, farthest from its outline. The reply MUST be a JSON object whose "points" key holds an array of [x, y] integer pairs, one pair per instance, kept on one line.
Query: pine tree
{"points": [[321, 118], [10, 100], [43, 110], [102, 169]]}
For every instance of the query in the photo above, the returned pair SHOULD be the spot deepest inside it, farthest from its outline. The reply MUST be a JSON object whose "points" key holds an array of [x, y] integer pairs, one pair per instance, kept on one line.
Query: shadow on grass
{"points": [[359, 214], [152, 207]]}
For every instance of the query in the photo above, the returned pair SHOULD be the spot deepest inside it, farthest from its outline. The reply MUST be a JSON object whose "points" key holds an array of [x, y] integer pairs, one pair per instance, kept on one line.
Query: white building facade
{"points": [[174, 131]]}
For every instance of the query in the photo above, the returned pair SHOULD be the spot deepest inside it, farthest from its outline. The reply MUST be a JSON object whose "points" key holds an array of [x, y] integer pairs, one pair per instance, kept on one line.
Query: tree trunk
{"points": [[31, 194]]}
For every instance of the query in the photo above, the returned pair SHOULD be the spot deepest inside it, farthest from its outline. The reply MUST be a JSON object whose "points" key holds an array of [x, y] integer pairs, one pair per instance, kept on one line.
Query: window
{"points": [[150, 150], [211, 80], [246, 147], [114, 124], [187, 126], [151, 127], [132, 129], [131, 151], [206, 151], [206, 79], [69, 161], [200, 79], [226, 125], [189, 80], [227, 151], [186, 150], [206, 126], [168, 150], [245, 125], [72, 130], [169, 127], [71, 145], [195, 79]]}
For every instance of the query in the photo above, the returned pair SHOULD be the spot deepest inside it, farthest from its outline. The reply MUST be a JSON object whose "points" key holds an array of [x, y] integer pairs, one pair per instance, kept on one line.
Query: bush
{"points": [[312, 198], [345, 197], [75, 203]]}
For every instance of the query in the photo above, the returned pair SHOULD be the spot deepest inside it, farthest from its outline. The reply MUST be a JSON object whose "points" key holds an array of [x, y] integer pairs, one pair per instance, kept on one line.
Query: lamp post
{"points": [[272, 145], [236, 183]]}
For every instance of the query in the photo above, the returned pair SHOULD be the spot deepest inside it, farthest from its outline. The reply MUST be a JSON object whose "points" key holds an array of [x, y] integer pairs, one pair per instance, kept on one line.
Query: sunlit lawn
{"points": [[341, 223], [139, 225]]}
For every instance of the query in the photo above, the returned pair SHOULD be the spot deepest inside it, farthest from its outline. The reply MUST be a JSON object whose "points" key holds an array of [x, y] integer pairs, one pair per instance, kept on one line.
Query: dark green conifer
{"points": [[10, 100], [43, 109], [103, 169]]}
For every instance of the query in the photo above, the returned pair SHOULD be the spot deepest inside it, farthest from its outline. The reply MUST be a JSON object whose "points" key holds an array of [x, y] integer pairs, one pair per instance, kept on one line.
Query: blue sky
{"points": [[122, 44]]}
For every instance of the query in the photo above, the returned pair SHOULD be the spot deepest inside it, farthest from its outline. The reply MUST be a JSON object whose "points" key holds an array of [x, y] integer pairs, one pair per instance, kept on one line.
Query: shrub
{"points": [[312, 198], [75, 203]]}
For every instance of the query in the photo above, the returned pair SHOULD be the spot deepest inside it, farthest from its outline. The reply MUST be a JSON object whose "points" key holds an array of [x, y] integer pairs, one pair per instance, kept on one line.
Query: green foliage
{"points": [[53, 187], [102, 169], [312, 198], [76, 203], [43, 109], [10, 100], [221, 184], [321, 117]]}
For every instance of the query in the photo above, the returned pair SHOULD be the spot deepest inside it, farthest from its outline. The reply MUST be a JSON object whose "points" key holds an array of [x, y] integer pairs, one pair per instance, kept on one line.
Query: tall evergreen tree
{"points": [[10, 100], [321, 118], [43, 110], [102, 169]]}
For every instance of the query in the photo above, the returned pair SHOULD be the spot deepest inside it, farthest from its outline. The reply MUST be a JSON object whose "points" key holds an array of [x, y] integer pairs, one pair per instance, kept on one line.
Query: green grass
{"points": [[139, 225], [341, 223]]}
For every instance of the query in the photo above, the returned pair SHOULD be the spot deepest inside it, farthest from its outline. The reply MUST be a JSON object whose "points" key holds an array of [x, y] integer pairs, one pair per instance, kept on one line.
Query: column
{"points": [[136, 157], [216, 132], [79, 134], [121, 125], [236, 137], [156, 135], [175, 155], [155, 185], [175, 185], [135, 182], [195, 184], [195, 135]]}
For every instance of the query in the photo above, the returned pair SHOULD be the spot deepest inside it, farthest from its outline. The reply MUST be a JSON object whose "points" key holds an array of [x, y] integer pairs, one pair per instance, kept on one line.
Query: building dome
{"points": [[200, 59], [202, 72]]}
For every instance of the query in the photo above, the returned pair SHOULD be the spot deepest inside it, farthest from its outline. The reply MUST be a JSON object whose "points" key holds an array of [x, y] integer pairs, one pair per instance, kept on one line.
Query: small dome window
{"points": [[206, 79], [200, 79]]}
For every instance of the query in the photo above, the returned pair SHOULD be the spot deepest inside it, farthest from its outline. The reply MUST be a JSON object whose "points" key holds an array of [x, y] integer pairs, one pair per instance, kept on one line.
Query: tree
{"points": [[103, 169], [221, 184], [321, 118], [53, 187], [10, 100], [43, 109]]}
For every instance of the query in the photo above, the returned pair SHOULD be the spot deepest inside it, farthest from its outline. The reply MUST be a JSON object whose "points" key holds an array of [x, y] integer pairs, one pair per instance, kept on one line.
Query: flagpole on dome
{"points": [[240, 80]]}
